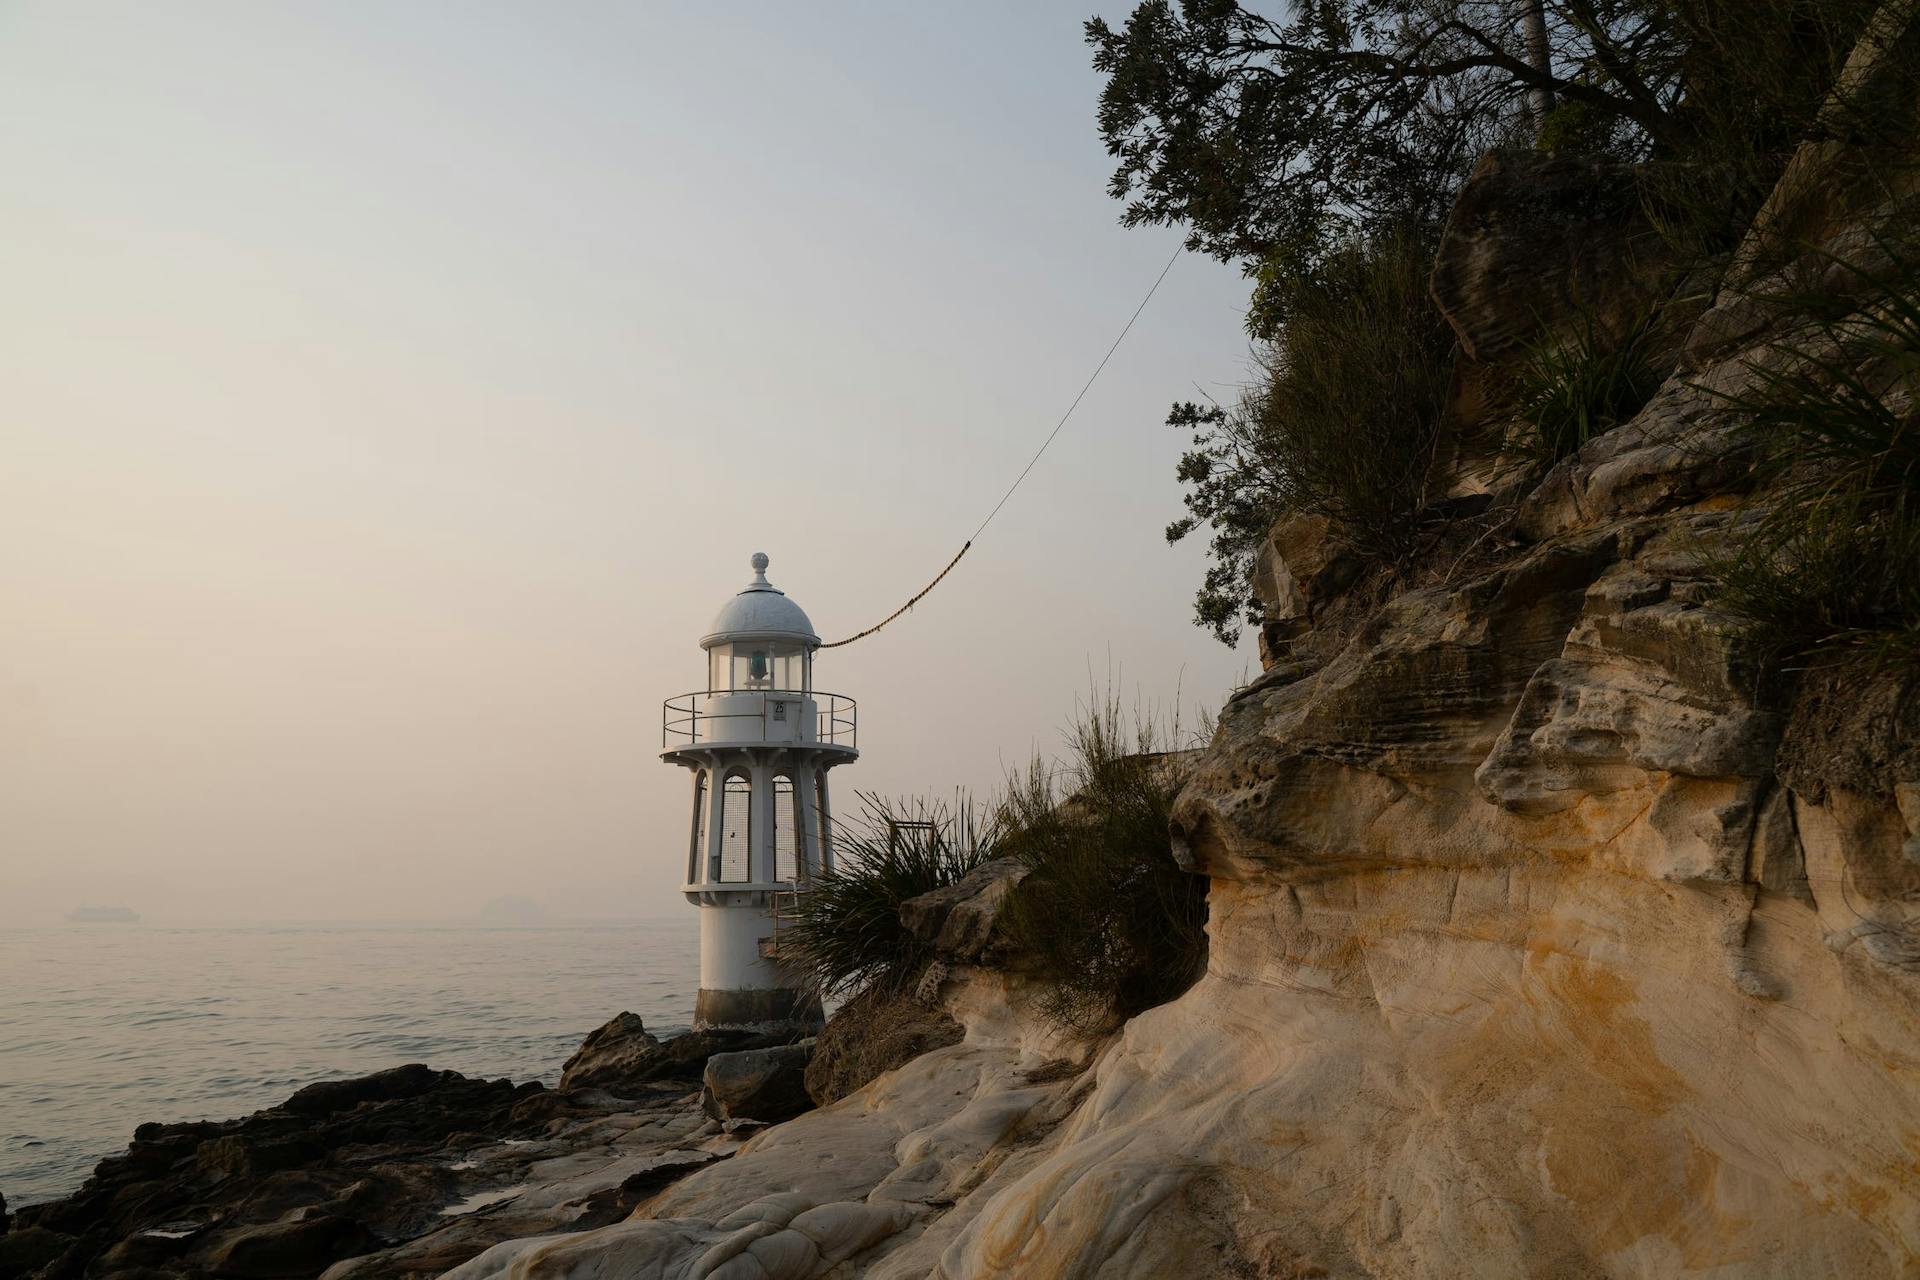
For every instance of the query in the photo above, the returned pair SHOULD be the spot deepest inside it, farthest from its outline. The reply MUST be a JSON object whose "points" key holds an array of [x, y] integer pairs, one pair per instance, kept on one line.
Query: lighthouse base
{"points": [[769, 1009]]}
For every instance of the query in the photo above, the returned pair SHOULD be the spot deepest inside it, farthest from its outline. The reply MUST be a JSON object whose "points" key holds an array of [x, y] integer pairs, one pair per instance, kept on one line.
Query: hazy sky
{"points": [[392, 393]]}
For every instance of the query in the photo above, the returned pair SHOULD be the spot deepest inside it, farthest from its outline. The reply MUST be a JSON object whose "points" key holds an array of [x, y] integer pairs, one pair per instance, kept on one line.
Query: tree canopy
{"points": [[1321, 152], [1271, 139]]}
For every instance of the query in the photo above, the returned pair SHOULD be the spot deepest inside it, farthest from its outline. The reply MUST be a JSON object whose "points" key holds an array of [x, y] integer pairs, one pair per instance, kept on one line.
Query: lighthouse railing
{"points": [[686, 721]]}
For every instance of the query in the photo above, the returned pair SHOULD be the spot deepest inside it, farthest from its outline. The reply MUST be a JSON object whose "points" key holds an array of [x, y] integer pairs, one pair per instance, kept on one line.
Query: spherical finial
{"points": [[760, 562]]}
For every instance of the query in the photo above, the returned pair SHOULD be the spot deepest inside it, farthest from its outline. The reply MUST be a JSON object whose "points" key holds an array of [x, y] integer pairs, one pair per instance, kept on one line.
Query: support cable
{"points": [[1031, 462]]}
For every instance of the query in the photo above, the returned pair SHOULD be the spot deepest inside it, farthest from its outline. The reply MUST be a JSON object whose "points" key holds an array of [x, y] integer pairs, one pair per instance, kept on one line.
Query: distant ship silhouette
{"points": [[103, 915]]}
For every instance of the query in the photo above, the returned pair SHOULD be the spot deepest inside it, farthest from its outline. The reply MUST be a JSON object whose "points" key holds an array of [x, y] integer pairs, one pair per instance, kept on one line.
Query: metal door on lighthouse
{"points": [[736, 829], [786, 843]]}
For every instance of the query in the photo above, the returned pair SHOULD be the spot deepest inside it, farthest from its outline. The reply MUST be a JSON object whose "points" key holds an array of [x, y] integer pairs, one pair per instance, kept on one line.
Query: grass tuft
{"points": [[845, 933], [1106, 922], [1570, 389], [1830, 562]]}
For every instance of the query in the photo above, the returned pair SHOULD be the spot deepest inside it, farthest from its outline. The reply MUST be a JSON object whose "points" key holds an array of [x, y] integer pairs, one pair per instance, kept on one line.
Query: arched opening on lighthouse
{"points": [[823, 833], [699, 846], [736, 829], [786, 843]]}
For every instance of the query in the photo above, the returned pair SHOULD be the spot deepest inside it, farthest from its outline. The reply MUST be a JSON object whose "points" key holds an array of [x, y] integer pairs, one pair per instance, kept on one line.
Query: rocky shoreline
{"points": [[411, 1171]]}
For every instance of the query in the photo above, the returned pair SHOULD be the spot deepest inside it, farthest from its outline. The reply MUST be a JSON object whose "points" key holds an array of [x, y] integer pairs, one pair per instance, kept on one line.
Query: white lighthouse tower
{"points": [[759, 741]]}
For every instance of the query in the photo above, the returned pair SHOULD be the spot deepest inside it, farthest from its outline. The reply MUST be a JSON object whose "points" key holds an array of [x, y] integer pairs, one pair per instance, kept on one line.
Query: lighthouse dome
{"points": [[760, 611]]}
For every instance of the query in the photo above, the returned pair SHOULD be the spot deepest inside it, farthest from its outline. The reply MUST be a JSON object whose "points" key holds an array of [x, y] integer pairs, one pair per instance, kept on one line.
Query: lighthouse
{"points": [[759, 740]]}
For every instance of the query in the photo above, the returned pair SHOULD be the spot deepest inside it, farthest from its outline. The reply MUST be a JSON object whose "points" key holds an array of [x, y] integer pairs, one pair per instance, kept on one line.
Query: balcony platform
{"points": [[808, 720]]}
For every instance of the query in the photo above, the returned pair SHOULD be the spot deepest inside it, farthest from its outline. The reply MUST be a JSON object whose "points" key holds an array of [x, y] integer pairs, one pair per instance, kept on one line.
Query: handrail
{"points": [[683, 716]]}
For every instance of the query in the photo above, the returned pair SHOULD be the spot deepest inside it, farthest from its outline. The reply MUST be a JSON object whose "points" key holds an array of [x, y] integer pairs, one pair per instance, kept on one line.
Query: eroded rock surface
{"points": [[876, 1031], [1539, 245], [963, 920]]}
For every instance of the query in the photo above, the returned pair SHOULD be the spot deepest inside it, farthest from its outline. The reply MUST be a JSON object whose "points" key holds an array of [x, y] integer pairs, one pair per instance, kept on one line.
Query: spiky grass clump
{"points": [[1572, 388], [1106, 922], [1831, 562], [845, 932]]}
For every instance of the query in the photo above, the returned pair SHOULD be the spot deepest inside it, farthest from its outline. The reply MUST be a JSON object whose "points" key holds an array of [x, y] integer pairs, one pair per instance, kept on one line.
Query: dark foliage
{"points": [[1105, 921], [846, 932], [1570, 389], [1274, 140], [1342, 421], [1301, 146], [1830, 563]]}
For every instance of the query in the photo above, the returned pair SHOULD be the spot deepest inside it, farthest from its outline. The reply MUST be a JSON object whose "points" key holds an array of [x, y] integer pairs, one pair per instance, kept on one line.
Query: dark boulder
{"points": [[768, 1085], [344, 1161], [346, 1170], [25, 1250], [624, 1059], [618, 1051], [329, 1096]]}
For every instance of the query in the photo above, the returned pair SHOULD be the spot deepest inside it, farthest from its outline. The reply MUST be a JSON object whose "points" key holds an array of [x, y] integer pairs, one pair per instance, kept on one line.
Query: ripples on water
{"points": [[103, 1027]]}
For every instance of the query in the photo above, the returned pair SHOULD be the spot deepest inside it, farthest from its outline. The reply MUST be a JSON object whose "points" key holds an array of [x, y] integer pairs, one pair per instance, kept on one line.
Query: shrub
{"points": [[1757, 75], [1831, 560], [1343, 420], [845, 932], [1572, 389], [1106, 922]]}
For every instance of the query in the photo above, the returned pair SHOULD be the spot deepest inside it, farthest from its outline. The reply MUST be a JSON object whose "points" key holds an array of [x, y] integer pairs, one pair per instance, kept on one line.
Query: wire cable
{"points": [[1031, 462]]}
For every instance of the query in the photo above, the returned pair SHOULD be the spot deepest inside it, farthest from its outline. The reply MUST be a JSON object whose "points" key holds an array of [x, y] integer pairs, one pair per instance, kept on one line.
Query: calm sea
{"points": [[103, 1027]]}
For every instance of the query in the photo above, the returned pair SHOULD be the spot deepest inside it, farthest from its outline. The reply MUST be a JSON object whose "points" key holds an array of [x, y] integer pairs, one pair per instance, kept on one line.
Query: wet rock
{"points": [[26, 1250], [344, 1161], [397, 1175], [767, 1085], [329, 1096], [235, 1156]]}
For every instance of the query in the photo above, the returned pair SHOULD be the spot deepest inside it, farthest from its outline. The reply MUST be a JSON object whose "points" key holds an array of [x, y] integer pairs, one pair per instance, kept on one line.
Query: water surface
{"points": [[103, 1027]]}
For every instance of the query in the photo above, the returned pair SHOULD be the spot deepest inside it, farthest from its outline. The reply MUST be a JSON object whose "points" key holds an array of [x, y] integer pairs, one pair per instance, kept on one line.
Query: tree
{"points": [[1325, 148], [1272, 140]]}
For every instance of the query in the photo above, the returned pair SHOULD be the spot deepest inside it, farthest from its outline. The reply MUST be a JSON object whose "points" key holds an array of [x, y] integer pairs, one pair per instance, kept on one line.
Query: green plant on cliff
{"points": [[1290, 145], [1572, 388], [1756, 78], [1276, 139], [845, 932], [1829, 561], [1106, 921], [1342, 420]]}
